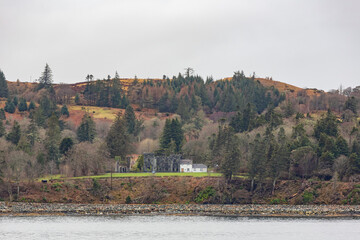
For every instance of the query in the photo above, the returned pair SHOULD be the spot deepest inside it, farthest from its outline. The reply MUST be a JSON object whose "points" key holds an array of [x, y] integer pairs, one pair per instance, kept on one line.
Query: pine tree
{"points": [[177, 134], [130, 119], [32, 132], [15, 101], [351, 104], [31, 106], [2, 114], [86, 131], [2, 129], [118, 141], [327, 125], [15, 134], [166, 136], [22, 105], [77, 99], [256, 163], [46, 80], [52, 142], [4, 92], [65, 111], [9, 106], [227, 151], [65, 145], [124, 102], [172, 138]]}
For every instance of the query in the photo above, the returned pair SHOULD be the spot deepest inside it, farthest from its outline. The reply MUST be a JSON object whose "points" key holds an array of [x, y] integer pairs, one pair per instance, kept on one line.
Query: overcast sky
{"points": [[307, 43]]}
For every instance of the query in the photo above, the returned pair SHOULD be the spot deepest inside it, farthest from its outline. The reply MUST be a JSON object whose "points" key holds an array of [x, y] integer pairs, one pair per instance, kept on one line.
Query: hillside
{"points": [[182, 190]]}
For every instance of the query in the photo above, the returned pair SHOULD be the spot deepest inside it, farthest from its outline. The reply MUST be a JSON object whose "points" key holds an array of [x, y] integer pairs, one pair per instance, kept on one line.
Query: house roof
{"points": [[186, 161], [199, 166]]}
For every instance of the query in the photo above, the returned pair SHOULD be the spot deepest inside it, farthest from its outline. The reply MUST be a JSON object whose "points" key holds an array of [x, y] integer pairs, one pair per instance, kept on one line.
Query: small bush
{"points": [[128, 200], [308, 197], [205, 194], [96, 185]]}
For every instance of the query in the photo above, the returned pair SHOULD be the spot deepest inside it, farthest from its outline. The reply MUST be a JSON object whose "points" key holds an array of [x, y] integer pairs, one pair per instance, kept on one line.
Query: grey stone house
{"points": [[153, 163]]}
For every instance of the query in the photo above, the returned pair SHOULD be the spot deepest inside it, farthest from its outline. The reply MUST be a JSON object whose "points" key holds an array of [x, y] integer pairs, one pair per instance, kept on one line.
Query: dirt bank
{"points": [[184, 190]]}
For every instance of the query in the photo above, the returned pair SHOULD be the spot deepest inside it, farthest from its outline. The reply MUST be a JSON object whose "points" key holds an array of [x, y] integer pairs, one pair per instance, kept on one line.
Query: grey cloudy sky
{"points": [[308, 43]]}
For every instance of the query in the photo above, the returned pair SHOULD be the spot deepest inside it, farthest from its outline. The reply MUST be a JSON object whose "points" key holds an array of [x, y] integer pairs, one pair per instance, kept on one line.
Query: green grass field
{"points": [[125, 175]]}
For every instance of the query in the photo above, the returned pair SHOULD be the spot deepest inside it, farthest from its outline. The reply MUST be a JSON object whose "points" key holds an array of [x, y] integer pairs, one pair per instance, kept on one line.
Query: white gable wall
{"points": [[186, 168]]}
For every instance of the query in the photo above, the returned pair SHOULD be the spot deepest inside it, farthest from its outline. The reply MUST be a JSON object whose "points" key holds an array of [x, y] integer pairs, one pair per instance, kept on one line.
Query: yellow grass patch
{"points": [[96, 112]]}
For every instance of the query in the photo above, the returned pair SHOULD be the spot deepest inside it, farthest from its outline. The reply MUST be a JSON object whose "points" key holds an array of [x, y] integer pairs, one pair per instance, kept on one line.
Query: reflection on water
{"points": [[176, 227]]}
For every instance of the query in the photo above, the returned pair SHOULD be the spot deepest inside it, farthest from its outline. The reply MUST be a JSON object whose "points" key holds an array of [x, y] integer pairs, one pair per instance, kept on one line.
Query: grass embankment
{"points": [[126, 175]]}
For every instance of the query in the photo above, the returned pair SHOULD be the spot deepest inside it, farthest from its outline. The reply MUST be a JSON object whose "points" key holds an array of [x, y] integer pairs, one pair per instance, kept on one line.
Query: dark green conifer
{"points": [[15, 133], [86, 130]]}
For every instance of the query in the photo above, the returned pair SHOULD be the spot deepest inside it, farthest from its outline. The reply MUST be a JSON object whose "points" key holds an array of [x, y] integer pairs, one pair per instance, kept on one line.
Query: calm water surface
{"points": [[176, 227]]}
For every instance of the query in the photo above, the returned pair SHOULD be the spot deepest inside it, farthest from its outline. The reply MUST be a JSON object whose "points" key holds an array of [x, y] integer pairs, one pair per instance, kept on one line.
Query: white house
{"points": [[199, 168], [186, 165]]}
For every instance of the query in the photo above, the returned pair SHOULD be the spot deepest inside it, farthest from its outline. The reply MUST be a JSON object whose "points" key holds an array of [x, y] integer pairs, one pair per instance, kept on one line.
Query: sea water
{"points": [[176, 227]]}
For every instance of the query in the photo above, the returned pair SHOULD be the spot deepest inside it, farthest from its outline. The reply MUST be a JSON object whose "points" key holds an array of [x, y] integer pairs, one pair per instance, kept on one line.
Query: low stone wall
{"points": [[178, 209]]}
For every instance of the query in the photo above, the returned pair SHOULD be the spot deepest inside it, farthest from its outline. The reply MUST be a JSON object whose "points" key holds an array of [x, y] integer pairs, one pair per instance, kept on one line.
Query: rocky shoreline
{"points": [[20, 209]]}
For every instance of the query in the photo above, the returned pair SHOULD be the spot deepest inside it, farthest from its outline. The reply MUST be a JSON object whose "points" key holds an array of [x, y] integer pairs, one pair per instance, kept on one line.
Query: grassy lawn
{"points": [[175, 174], [125, 175]]}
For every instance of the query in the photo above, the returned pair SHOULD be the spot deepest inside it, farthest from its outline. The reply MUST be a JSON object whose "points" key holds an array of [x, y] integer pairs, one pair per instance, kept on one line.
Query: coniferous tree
{"points": [[2, 114], [124, 102], [351, 104], [2, 129], [15, 134], [327, 125], [77, 99], [227, 152], [31, 106], [279, 159], [65, 145], [118, 141], [257, 161], [46, 78], [9, 106], [65, 111], [22, 105], [16, 101], [166, 136], [4, 92], [86, 131], [52, 142], [32, 132], [172, 138], [130, 119]]}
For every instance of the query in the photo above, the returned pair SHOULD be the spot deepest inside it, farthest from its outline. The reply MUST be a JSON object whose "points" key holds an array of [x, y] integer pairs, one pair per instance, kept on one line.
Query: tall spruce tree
{"points": [[9, 106], [2, 114], [86, 131], [32, 132], [2, 128], [31, 106], [15, 133], [22, 105], [172, 138], [52, 142], [4, 92], [65, 111], [130, 119], [257, 161], [46, 78], [225, 149], [118, 141]]}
